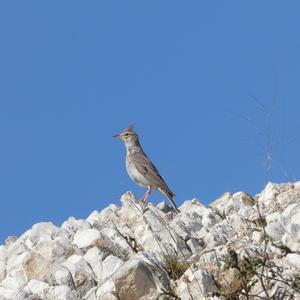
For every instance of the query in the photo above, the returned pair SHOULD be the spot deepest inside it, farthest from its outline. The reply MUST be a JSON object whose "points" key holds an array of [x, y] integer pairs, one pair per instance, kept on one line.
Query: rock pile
{"points": [[240, 247]]}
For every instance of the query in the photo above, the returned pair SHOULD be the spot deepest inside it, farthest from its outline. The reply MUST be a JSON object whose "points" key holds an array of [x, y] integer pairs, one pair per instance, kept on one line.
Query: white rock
{"points": [[291, 220], [36, 266], [116, 242], [195, 245], [217, 235], [93, 217], [187, 225], [195, 285], [237, 224], [128, 199], [131, 208], [61, 293], [3, 253], [3, 261], [41, 231], [62, 276], [2, 270], [140, 278], [163, 206], [14, 261], [154, 233], [110, 265], [18, 247], [193, 206], [274, 227], [104, 257], [107, 291], [95, 257], [15, 280], [72, 225], [257, 236], [86, 237], [82, 277], [269, 194], [106, 217], [210, 219], [293, 259], [38, 287], [10, 240], [7, 293], [249, 213], [25, 294], [229, 204]]}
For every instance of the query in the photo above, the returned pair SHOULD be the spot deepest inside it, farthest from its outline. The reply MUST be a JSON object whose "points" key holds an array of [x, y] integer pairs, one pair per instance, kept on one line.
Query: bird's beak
{"points": [[116, 136]]}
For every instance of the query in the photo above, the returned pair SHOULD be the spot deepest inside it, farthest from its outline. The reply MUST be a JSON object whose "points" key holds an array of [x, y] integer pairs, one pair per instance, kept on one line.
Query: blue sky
{"points": [[212, 88]]}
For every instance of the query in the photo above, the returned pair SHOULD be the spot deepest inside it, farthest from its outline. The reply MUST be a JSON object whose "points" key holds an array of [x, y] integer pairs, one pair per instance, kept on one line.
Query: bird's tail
{"points": [[171, 198]]}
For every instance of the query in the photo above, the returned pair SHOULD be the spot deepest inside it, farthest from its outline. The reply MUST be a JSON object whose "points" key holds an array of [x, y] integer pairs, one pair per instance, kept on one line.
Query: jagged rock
{"points": [[41, 232], [116, 243], [82, 276], [154, 234], [291, 223], [274, 227], [139, 278], [187, 225], [60, 293], [109, 265], [257, 236], [195, 285], [233, 279], [217, 235], [102, 263], [285, 226], [127, 253], [3, 260], [163, 206], [38, 287], [86, 237], [71, 226], [195, 245], [230, 204], [26, 295], [94, 257], [8, 293], [36, 266], [62, 276], [15, 279], [107, 291], [293, 260]]}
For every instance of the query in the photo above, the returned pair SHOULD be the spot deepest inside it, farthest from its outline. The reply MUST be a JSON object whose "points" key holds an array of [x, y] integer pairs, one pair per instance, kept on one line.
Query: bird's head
{"points": [[128, 136]]}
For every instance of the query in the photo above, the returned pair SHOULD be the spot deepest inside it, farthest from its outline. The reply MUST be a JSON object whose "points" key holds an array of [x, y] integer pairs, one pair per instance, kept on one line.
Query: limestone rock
{"points": [[195, 285], [86, 237], [38, 287], [61, 293], [126, 253], [138, 279]]}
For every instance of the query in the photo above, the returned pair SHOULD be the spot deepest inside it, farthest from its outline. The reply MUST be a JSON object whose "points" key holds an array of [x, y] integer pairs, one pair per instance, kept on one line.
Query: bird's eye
{"points": [[126, 134]]}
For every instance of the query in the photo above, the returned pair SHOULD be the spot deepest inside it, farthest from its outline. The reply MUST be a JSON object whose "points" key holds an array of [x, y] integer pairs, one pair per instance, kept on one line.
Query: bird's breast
{"points": [[135, 175]]}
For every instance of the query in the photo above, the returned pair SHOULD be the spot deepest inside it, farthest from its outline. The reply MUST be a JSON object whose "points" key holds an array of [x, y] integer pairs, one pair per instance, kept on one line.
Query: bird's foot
{"points": [[144, 205], [145, 208]]}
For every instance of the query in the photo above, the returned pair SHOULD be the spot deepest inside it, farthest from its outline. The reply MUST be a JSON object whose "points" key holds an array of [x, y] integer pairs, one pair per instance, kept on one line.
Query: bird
{"points": [[141, 169]]}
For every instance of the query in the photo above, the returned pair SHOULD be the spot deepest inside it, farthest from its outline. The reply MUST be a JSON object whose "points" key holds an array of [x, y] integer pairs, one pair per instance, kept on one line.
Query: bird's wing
{"points": [[142, 163]]}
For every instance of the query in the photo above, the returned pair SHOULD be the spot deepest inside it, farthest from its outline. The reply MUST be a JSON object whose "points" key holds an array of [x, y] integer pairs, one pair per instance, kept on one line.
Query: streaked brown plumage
{"points": [[141, 169]]}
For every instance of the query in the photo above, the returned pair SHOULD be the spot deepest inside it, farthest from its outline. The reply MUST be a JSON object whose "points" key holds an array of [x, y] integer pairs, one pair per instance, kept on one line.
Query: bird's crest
{"points": [[129, 129]]}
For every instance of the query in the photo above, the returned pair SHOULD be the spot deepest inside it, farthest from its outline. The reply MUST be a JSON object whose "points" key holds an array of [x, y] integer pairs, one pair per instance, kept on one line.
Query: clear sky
{"points": [[212, 87]]}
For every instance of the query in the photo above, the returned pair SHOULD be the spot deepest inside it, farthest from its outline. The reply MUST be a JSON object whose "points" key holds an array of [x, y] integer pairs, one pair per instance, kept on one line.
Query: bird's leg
{"points": [[145, 197]]}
